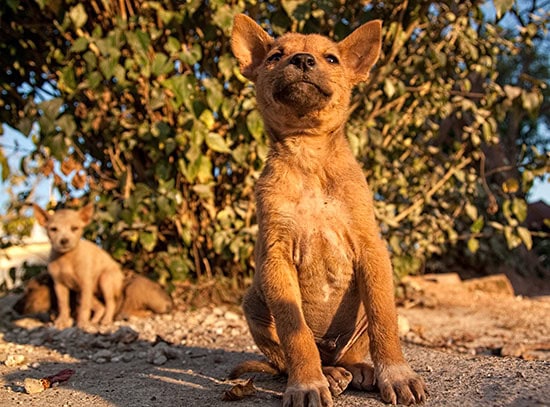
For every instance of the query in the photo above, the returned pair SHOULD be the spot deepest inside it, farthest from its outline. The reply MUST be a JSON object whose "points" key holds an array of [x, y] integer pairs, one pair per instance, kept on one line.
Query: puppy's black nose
{"points": [[305, 62], [64, 241]]}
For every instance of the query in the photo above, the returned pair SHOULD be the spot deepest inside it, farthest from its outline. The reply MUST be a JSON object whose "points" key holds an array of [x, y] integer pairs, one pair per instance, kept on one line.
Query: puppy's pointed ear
{"points": [[250, 44], [86, 213], [360, 50], [41, 215]]}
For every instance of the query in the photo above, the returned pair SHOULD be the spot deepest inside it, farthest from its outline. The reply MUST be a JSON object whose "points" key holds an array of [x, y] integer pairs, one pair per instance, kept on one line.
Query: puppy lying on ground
{"points": [[322, 295], [140, 296], [81, 266]]}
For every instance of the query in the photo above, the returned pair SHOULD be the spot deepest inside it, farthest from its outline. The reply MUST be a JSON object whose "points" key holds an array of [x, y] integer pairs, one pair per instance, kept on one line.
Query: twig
{"points": [[432, 191]]}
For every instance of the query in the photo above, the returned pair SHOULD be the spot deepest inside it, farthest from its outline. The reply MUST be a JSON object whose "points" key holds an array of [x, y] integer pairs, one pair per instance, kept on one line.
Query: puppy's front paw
{"points": [[87, 327], [63, 322], [316, 394], [399, 384]]}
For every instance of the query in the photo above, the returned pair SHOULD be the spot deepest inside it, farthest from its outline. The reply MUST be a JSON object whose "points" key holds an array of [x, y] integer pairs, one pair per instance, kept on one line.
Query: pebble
{"points": [[14, 360], [102, 356], [157, 340]]}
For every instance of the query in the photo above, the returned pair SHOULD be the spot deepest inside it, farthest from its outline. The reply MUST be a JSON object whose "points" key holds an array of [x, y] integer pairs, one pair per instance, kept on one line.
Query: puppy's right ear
{"points": [[250, 44], [41, 215]]}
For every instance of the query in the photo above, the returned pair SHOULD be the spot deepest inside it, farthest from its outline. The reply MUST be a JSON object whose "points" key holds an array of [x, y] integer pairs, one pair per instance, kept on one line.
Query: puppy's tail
{"points": [[253, 366]]}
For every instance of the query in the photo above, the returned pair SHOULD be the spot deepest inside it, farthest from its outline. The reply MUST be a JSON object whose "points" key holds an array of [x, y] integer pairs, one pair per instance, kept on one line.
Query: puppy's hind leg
{"points": [[354, 362], [98, 310]]}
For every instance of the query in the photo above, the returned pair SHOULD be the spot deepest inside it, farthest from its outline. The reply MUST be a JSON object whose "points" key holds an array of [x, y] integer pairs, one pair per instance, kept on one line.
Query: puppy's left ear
{"points": [[86, 213], [360, 50], [41, 215], [250, 44]]}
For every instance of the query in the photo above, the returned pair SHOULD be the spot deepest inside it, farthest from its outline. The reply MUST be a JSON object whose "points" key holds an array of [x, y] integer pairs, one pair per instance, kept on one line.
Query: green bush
{"points": [[143, 109]]}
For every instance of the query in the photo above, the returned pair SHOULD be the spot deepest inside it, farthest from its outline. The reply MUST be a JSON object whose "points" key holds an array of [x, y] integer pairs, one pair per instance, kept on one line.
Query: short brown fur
{"points": [[322, 295], [79, 265]]}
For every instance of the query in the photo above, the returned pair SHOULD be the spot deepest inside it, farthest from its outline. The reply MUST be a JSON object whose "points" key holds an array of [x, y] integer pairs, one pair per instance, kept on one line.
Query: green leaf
{"points": [[473, 245], [223, 17], [214, 93], [67, 124], [161, 65], [108, 66], [512, 240], [510, 186], [67, 81], [182, 88], [4, 166], [216, 142], [519, 208], [148, 240], [525, 236], [531, 101], [477, 226], [255, 124], [226, 65], [78, 15], [172, 45], [191, 55], [207, 117], [79, 45], [389, 88], [51, 108], [471, 211]]}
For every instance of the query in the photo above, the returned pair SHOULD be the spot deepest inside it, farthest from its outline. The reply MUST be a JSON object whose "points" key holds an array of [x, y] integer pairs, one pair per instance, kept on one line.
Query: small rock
{"points": [[159, 360], [127, 357], [14, 360], [125, 335], [403, 325], [495, 284], [102, 356], [34, 386], [231, 316]]}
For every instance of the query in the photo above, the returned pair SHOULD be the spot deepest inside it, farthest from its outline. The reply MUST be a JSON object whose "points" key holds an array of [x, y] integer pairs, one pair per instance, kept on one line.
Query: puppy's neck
{"points": [[309, 152]]}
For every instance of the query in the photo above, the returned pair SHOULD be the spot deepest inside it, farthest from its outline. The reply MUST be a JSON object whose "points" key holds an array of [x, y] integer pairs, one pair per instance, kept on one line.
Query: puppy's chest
{"points": [[65, 272], [324, 235]]}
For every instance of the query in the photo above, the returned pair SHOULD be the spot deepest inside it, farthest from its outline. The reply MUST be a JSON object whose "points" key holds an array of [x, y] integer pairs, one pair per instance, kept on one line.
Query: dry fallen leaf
{"points": [[239, 391]]}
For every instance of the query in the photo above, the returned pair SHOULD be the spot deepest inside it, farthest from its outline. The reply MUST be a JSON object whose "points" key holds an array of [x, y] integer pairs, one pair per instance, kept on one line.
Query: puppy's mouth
{"points": [[303, 94], [62, 247]]}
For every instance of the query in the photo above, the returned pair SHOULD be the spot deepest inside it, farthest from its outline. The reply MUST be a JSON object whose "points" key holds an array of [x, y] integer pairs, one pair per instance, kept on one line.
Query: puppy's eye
{"points": [[275, 57], [331, 59], [53, 229], [74, 228]]}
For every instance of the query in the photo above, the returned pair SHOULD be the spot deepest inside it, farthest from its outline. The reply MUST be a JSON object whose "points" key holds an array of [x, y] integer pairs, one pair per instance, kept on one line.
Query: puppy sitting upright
{"points": [[322, 295], [80, 265]]}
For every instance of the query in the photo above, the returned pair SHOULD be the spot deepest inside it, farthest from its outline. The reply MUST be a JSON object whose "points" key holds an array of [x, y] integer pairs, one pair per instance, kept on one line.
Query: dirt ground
{"points": [[475, 345]]}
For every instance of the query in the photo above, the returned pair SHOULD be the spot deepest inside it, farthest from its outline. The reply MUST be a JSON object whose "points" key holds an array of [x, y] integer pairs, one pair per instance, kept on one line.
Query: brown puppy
{"points": [[80, 265], [322, 295], [140, 296]]}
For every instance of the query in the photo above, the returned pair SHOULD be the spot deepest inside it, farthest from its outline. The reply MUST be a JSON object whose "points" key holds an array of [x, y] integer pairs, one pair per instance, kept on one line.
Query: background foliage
{"points": [[139, 105]]}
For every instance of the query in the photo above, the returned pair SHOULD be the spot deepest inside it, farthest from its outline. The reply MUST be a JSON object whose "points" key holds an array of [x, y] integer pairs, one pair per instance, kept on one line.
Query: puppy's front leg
{"points": [[397, 382], [85, 308], [64, 319], [307, 386]]}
